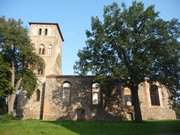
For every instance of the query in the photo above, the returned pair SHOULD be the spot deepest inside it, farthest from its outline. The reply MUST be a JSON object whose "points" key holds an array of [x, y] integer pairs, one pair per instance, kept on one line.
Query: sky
{"points": [[74, 18]]}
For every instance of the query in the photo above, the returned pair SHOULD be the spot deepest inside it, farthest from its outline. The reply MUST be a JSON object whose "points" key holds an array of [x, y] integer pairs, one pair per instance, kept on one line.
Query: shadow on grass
{"points": [[36, 127], [121, 127]]}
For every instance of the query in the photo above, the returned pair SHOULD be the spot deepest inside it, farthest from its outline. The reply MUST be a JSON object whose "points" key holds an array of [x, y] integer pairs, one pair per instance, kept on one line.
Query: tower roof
{"points": [[48, 23]]}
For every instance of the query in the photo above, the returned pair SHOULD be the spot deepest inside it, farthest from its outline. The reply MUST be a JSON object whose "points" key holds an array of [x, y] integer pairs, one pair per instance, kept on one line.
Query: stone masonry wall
{"points": [[54, 107], [80, 106], [53, 61], [29, 107], [150, 112]]}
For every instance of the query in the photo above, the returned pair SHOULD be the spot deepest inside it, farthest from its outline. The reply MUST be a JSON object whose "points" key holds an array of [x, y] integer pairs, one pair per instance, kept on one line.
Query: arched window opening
{"points": [[154, 95], [127, 97], [38, 95], [40, 72], [40, 31], [46, 32], [42, 49], [50, 50], [80, 114], [66, 92], [129, 116], [95, 93]]}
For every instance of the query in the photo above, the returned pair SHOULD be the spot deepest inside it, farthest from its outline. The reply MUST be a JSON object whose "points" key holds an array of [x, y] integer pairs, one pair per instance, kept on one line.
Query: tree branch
{"points": [[18, 84]]}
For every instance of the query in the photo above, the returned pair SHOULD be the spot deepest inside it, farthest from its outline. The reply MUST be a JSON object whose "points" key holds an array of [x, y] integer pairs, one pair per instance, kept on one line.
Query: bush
{"points": [[7, 117], [3, 105]]}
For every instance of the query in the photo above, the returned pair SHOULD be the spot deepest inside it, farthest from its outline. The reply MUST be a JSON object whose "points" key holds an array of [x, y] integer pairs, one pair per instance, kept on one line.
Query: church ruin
{"points": [[80, 97]]}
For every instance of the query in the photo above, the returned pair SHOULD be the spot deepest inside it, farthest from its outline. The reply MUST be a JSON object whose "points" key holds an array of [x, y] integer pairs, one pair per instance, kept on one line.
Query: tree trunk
{"points": [[11, 100], [11, 97], [135, 100]]}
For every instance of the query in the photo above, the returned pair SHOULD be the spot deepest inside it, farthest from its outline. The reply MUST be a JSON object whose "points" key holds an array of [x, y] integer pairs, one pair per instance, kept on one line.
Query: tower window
{"points": [[38, 95], [40, 31], [66, 92], [50, 50], [42, 49], [154, 95], [95, 93], [46, 31], [40, 72]]}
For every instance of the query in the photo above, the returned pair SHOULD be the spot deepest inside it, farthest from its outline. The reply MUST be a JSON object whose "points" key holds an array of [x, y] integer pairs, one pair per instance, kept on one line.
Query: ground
{"points": [[35, 127]]}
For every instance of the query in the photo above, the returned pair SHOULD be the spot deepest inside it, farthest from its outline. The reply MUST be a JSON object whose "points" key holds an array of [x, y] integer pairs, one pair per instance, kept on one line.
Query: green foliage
{"points": [[3, 105], [18, 52], [131, 44], [29, 81], [107, 84], [7, 118], [5, 86], [177, 109]]}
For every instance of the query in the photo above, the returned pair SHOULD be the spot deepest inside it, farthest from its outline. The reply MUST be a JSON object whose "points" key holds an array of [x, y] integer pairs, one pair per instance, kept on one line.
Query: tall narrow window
{"points": [[95, 93], [40, 31], [66, 93], [40, 72], [42, 49], [46, 32], [154, 95], [50, 50], [127, 97], [38, 95]]}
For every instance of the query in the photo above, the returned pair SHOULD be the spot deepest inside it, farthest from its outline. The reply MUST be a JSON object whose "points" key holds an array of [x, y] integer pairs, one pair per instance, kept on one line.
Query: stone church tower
{"points": [[47, 40]]}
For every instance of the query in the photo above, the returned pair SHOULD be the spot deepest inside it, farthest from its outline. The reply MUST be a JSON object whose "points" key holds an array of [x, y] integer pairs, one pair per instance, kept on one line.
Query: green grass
{"points": [[35, 127]]}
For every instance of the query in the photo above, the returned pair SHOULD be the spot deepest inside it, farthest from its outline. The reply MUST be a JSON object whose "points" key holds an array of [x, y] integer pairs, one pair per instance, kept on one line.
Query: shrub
{"points": [[7, 117]]}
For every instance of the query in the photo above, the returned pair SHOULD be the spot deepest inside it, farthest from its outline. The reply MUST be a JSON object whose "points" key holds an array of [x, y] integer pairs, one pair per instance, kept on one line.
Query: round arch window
{"points": [[66, 92], [95, 93]]}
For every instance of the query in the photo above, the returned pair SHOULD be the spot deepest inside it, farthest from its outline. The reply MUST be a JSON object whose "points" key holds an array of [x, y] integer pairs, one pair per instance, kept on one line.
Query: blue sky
{"points": [[74, 18]]}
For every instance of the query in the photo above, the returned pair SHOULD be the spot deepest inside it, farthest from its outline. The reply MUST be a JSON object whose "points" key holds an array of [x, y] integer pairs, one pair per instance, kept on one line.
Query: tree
{"points": [[132, 44], [18, 52], [5, 85]]}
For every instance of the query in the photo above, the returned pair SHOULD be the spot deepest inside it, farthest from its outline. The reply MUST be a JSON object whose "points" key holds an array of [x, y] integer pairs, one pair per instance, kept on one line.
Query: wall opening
{"points": [[38, 95], [66, 93], [42, 49], [46, 32], [127, 97], [96, 93], [40, 31], [80, 114], [154, 95]]}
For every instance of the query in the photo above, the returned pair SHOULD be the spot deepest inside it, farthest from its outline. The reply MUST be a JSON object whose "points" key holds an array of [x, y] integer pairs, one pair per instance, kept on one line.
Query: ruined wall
{"points": [[163, 111], [29, 107], [80, 106], [79, 99]]}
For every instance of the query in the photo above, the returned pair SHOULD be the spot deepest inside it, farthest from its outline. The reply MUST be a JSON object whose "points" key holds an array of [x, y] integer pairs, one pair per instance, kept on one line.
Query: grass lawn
{"points": [[35, 127]]}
